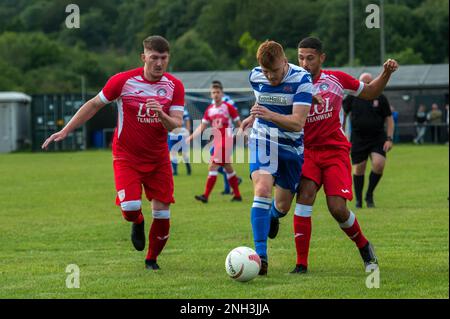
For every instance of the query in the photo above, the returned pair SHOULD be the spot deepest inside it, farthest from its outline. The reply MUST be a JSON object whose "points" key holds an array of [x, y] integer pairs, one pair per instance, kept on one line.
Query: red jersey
{"points": [[323, 126], [139, 135], [220, 117]]}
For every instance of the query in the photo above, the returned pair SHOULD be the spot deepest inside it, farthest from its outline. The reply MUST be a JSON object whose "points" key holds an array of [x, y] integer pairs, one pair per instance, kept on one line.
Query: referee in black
{"points": [[369, 139]]}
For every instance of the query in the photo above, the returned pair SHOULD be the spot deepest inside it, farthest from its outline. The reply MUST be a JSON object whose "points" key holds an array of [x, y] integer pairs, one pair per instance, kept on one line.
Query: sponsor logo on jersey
{"points": [[146, 115], [376, 103], [272, 99], [345, 191]]}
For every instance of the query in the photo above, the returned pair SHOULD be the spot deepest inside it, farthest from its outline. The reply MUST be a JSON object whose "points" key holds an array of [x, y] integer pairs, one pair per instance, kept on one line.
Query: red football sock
{"points": [[210, 184], [353, 231], [133, 216], [234, 183], [158, 236], [302, 230]]}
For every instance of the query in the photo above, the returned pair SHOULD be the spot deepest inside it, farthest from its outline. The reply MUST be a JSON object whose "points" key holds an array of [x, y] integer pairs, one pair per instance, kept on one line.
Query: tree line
{"points": [[39, 54]]}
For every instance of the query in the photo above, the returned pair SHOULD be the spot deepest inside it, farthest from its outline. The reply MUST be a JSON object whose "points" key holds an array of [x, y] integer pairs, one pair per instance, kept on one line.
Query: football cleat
{"points": [[264, 266], [151, 264], [369, 201], [138, 236], [201, 198], [274, 227], [236, 199], [300, 269], [358, 204], [368, 256]]}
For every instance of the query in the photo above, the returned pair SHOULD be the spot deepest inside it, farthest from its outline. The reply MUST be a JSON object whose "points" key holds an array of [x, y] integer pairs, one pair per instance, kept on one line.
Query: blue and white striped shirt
{"points": [[295, 90]]}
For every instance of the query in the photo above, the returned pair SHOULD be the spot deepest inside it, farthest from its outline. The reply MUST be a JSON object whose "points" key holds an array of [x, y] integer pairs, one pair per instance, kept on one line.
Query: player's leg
{"points": [[172, 142], [280, 207], [260, 214], [378, 163], [337, 183], [359, 154], [226, 184], [233, 181], [158, 185], [306, 197], [287, 181], [310, 183], [158, 233], [210, 182], [185, 154], [129, 191]]}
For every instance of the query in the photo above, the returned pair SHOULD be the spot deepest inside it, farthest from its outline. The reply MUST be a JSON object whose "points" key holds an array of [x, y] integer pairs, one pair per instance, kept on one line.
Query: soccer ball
{"points": [[242, 264]]}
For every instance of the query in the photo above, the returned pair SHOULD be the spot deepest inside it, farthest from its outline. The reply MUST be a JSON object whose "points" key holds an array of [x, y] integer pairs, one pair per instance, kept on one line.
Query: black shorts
{"points": [[363, 147]]}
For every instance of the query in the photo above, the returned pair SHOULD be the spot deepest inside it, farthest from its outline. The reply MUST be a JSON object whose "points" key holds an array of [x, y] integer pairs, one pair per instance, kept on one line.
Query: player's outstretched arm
{"points": [[375, 88], [199, 130], [87, 111]]}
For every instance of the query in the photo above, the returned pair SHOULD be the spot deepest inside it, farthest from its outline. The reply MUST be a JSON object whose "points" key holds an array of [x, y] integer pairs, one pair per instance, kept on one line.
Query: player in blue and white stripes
{"points": [[283, 94], [177, 144]]}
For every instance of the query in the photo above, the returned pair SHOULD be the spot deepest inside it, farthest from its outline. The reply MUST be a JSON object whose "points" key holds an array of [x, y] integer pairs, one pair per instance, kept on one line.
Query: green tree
{"points": [[190, 53], [407, 56], [249, 47]]}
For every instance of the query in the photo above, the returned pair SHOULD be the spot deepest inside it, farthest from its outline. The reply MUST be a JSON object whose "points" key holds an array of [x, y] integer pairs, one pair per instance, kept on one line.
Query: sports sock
{"points": [[302, 232], [234, 182], [353, 231], [274, 212], [158, 234], [174, 166], [358, 181], [135, 217], [226, 184], [210, 182], [373, 182], [260, 218]]}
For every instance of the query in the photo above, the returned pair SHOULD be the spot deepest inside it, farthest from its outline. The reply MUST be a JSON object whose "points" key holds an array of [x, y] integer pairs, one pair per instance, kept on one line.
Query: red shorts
{"points": [[156, 178], [222, 152], [330, 168]]}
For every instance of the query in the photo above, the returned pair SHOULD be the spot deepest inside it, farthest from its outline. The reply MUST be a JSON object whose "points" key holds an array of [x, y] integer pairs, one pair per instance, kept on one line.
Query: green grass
{"points": [[58, 208]]}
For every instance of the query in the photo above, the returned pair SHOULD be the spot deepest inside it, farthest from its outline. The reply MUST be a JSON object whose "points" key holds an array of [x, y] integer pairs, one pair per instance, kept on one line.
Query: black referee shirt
{"points": [[367, 117]]}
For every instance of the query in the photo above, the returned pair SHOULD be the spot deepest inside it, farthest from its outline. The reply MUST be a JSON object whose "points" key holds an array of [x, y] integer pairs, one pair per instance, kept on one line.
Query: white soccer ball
{"points": [[242, 264]]}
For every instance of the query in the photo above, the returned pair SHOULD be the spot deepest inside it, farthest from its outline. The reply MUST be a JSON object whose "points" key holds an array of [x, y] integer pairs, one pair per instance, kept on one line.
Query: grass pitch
{"points": [[58, 209]]}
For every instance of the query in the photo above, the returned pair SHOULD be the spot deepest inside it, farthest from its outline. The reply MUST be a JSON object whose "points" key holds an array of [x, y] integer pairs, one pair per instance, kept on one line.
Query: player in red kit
{"points": [[150, 103], [219, 116], [327, 151]]}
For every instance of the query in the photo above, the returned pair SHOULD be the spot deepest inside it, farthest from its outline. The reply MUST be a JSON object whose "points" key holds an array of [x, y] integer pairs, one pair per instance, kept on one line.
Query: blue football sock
{"points": [[260, 218], [226, 185], [174, 167]]}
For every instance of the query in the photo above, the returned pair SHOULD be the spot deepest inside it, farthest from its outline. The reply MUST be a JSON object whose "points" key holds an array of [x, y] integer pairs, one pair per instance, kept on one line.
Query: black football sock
{"points": [[358, 182], [373, 182]]}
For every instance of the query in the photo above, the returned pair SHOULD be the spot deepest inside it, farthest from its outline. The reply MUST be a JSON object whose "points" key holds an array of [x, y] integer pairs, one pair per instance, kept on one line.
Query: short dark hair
{"points": [[216, 86], [217, 82], [311, 43], [156, 43]]}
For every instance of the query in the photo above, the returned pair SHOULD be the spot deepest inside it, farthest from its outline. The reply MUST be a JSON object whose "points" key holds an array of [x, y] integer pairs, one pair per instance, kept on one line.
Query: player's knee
{"points": [[263, 191], [306, 197], [283, 206], [339, 213], [378, 168]]}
